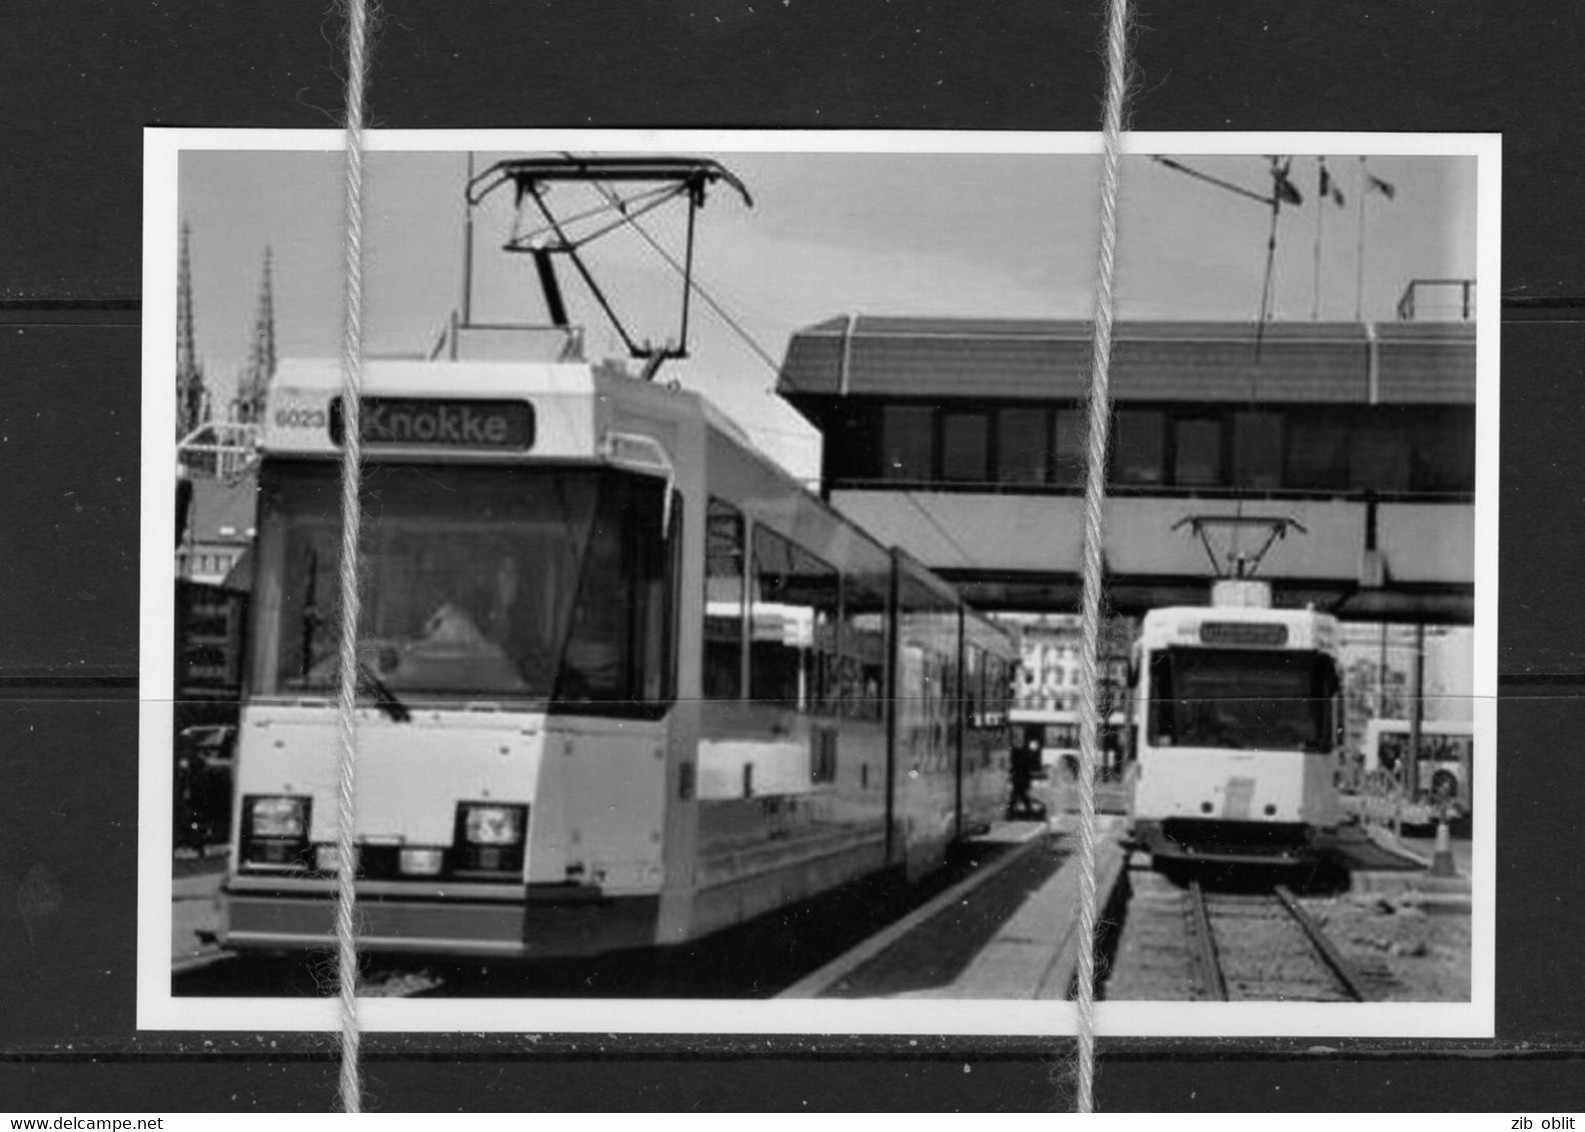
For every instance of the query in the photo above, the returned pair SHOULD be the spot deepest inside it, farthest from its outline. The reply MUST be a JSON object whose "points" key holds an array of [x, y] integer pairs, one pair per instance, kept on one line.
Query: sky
{"points": [[966, 234]]}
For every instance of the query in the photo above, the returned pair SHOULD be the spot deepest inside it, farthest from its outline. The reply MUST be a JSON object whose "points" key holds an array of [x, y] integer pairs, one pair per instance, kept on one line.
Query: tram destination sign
{"points": [[1267, 633], [426, 422]]}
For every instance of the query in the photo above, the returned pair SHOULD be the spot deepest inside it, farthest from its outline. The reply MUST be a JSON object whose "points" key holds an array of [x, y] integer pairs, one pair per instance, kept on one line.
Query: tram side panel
{"points": [[791, 747], [677, 423]]}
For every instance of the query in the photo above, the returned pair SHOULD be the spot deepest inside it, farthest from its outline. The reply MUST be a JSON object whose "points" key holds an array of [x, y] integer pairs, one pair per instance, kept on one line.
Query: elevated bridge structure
{"points": [[963, 441]]}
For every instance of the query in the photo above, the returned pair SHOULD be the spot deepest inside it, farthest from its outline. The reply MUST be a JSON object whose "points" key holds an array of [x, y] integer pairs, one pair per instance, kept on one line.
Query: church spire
{"points": [[254, 383], [192, 399]]}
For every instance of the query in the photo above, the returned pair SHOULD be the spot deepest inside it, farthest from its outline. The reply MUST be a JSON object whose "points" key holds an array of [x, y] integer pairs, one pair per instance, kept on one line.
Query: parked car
{"points": [[205, 761]]}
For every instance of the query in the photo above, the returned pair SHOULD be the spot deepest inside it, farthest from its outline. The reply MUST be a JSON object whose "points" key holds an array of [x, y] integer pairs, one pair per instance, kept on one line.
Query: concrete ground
{"points": [[195, 918]]}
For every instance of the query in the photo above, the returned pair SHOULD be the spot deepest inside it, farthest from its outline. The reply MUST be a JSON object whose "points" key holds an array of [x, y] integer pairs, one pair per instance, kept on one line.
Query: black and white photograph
{"points": [[720, 653]]}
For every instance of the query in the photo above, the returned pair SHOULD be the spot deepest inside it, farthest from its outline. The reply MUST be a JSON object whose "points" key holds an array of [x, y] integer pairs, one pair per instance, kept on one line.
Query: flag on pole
{"points": [[1329, 187], [1282, 188], [1374, 183]]}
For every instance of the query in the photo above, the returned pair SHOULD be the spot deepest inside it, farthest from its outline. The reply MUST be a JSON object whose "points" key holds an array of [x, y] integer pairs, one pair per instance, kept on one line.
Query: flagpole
{"points": [[1271, 258], [1320, 211], [1359, 252]]}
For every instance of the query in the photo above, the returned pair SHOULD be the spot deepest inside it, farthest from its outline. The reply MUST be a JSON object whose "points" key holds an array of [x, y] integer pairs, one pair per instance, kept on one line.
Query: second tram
{"points": [[1238, 726]]}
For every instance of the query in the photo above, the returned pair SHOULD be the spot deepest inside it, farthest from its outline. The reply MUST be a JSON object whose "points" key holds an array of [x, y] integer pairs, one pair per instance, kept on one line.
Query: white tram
{"points": [[626, 683], [1238, 718]]}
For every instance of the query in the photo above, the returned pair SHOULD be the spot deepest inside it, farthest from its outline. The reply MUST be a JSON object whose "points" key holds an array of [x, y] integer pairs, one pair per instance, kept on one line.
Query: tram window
{"points": [[1197, 452], [722, 674], [617, 645], [907, 442], [973, 674], [509, 584], [1140, 448], [1067, 450], [796, 600], [992, 679], [927, 634], [1241, 699], [1257, 450], [965, 446], [659, 636], [823, 755], [1022, 455], [861, 668]]}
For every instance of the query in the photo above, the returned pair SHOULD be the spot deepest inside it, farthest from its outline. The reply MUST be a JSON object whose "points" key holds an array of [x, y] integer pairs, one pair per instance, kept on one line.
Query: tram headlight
{"points": [[275, 831], [491, 824], [284, 817], [327, 858], [421, 862], [490, 837]]}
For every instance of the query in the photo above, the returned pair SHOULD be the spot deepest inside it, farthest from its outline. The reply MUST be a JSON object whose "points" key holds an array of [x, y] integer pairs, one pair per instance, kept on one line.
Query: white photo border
{"points": [[158, 1009]]}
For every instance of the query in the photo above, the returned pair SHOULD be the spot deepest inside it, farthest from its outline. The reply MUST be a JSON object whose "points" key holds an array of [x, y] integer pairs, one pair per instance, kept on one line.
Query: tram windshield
{"points": [[1242, 699], [477, 583]]}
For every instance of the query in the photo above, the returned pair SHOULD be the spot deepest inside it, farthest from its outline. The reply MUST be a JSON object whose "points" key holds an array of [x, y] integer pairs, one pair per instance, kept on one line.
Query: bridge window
{"points": [[1379, 456], [1197, 452], [1305, 448], [723, 603], [1318, 443], [1257, 450], [1022, 453], [1068, 463], [907, 442], [1442, 450], [965, 446], [1140, 447]]}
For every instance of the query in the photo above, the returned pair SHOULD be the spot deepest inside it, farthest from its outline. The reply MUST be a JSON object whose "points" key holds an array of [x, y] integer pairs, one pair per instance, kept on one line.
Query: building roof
{"points": [[936, 358]]}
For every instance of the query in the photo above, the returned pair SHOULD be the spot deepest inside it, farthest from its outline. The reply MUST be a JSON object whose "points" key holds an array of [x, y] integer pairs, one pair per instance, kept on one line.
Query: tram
{"points": [[625, 682], [1238, 715]]}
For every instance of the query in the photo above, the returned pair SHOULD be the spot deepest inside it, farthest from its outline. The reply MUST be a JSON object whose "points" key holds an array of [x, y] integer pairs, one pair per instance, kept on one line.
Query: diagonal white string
{"points": [[1094, 529], [350, 1092]]}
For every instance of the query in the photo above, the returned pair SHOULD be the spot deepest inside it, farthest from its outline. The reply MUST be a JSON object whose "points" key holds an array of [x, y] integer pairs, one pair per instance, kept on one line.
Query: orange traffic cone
{"points": [[1442, 864]]}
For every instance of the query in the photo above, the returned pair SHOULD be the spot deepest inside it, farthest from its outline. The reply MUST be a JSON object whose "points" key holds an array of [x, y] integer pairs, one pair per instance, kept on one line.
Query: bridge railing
{"points": [[1437, 299]]}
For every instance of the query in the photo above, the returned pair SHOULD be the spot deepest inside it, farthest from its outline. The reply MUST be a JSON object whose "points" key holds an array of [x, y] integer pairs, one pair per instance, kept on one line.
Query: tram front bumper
{"points": [[519, 925]]}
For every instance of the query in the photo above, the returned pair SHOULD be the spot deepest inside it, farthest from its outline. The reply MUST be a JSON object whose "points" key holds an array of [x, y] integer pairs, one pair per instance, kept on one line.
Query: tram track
{"points": [[1264, 945]]}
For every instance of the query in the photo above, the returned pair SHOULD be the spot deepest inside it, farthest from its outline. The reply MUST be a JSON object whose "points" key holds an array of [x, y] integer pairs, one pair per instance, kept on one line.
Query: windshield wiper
{"points": [[384, 699]]}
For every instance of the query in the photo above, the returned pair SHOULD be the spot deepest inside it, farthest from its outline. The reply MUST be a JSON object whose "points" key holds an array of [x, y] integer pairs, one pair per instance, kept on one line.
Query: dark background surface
{"points": [[78, 83]]}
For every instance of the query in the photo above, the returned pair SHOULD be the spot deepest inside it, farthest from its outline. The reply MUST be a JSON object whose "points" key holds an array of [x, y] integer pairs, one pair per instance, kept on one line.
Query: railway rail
{"points": [[1264, 945]]}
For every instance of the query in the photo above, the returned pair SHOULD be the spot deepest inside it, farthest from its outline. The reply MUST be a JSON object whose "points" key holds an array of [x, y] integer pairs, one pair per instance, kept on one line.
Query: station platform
{"points": [[1409, 874], [1012, 934]]}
